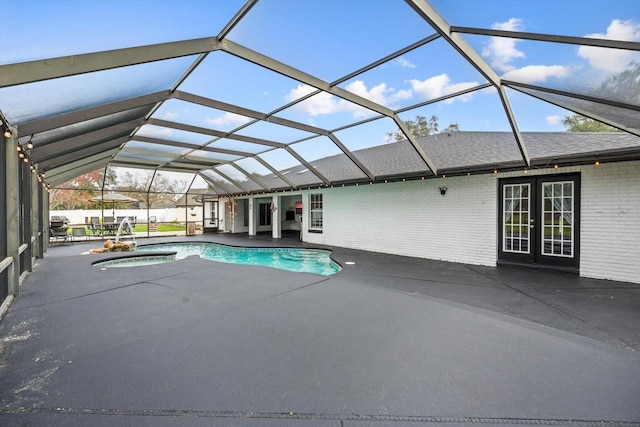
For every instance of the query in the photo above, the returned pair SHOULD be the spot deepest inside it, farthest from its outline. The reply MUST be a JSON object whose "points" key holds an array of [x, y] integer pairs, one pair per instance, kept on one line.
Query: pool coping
{"points": [[132, 255]]}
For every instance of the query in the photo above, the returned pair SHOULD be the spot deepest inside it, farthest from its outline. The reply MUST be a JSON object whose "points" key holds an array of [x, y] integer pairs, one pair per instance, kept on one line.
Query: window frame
{"points": [[316, 214], [264, 214]]}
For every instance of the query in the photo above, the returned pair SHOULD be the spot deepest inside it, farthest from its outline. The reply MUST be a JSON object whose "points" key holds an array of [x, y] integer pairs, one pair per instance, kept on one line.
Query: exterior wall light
{"points": [[443, 190]]}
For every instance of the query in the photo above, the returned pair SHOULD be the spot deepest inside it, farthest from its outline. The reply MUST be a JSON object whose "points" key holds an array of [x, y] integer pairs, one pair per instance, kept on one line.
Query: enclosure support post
{"points": [[276, 227], [12, 211], [252, 216]]}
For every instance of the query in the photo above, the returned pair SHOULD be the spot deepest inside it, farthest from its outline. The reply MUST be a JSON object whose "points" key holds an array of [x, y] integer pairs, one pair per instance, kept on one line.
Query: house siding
{"points": [[414, 219]]}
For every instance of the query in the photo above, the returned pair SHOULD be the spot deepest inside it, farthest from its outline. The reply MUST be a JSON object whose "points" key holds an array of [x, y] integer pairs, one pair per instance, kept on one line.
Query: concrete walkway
{"points": [[387, 341]]}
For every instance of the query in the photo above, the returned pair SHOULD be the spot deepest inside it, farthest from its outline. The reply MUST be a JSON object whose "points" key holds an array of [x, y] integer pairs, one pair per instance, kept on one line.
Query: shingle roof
{"points": [[475, 151]]}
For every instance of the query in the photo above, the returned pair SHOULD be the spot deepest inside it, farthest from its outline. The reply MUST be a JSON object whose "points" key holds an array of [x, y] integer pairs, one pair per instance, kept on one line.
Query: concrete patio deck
{"points": [[387, 341]]}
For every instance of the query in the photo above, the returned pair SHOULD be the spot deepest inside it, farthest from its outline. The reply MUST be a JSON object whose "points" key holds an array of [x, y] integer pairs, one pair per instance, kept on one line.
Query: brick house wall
{"points": [[414, 219], [611, 222]]}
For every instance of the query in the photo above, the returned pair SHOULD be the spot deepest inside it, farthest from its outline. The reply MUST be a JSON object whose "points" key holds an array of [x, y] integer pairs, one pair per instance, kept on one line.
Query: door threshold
{"points": [[539, 267]]}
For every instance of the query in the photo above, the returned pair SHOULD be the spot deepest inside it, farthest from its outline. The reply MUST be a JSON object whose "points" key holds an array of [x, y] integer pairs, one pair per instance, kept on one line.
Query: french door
{"points": [[539, 220]]}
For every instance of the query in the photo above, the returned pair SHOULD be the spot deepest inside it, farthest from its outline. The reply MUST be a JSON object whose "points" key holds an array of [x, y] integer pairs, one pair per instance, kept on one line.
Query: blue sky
{"points": [[329, 39]]}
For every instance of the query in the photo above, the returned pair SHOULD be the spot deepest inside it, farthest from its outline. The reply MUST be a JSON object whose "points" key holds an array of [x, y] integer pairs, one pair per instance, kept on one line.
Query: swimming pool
{"points": [[315, 261]]}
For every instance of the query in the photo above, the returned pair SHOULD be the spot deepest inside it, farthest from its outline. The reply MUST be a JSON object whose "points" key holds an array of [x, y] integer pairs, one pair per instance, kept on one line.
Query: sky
{"points": [[327, 39]]}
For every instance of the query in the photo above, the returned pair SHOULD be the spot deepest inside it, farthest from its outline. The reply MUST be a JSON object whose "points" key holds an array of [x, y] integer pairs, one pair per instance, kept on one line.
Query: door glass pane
{"points": [[568, 187], [515, 218], [558, 230]]}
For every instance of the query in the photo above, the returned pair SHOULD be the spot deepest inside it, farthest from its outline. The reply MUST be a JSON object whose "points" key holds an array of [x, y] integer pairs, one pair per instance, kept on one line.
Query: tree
{"points": [[162, 188], [420, 127], [453, 127], [578, 123], [77, 192]]}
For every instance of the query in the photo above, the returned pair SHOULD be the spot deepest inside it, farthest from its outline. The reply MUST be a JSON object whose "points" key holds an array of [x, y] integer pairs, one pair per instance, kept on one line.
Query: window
{"points": [[558, 230], [516, 218], [265, 214], [315, 211]]}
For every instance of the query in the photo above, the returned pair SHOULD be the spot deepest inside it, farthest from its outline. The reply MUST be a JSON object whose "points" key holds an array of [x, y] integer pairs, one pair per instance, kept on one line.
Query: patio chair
{"points": [[96, 228], [78, 233], [153, 224]]}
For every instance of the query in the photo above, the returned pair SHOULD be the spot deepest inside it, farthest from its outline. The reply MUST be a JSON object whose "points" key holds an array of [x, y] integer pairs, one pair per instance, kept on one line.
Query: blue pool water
{"points": [[301, 260]]}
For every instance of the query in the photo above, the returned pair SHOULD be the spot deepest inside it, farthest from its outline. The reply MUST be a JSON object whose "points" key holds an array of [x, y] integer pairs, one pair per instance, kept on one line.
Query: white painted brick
{"points": [[610, 227], [413, 219]]}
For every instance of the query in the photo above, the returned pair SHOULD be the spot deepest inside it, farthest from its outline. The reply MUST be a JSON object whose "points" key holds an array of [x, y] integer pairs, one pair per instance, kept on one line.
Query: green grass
{"points": [[142, 228]]}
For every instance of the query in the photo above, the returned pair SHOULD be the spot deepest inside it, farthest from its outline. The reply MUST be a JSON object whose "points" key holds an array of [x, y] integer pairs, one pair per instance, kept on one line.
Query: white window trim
{"points": [[313, 209]]}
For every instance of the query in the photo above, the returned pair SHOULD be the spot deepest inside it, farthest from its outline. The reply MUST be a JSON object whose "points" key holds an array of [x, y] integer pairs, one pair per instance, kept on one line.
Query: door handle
{"points": [[532, 223]]}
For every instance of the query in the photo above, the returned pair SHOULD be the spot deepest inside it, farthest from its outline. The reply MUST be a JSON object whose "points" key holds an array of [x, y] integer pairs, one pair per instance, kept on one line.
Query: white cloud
{"points": [[319, 104], [500, 51], [441, 85], [457, 87], [170, 116], [300, 91], [554, 120], [227, 120], [376, 94], [613, 60], [325, 103], [536, 73], [154, 131], [401, 95], [432, 87], [405, 63]]}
